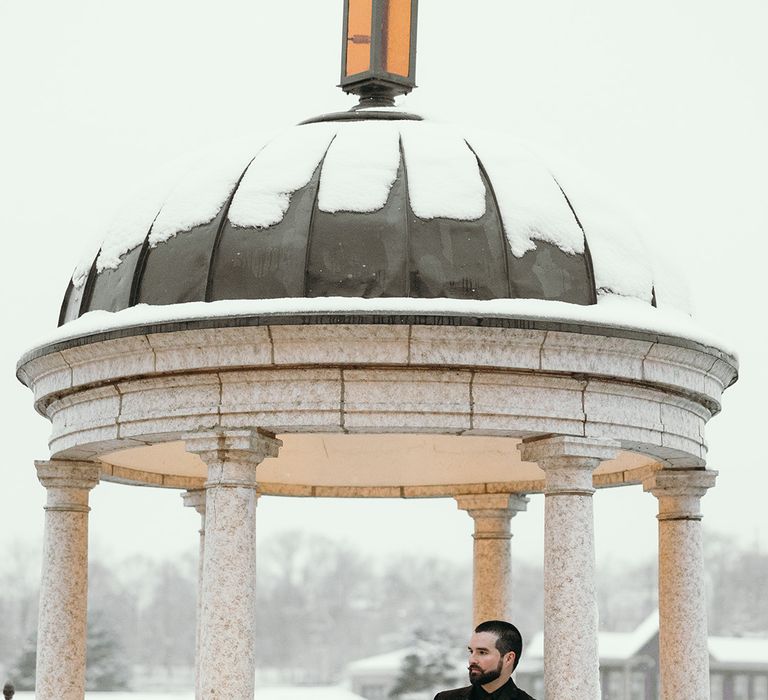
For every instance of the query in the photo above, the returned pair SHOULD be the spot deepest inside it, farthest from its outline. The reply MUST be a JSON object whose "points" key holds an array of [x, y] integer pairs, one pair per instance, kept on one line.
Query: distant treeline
{"points": [[322, 603]]}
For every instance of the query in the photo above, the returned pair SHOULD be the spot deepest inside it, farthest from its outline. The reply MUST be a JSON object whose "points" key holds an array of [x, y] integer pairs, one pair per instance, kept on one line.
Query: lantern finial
{"points": [[378, 56]]}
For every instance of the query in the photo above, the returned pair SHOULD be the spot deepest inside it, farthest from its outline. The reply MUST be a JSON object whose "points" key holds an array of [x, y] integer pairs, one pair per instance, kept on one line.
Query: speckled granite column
{"points": [[196, 499], [491, 589], [571, 662], [61, 630], [228, 605], [683, 654]]}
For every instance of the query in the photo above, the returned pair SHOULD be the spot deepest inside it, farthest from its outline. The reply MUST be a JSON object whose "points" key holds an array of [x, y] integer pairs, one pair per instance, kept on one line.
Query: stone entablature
{"points": [[651, 394]]}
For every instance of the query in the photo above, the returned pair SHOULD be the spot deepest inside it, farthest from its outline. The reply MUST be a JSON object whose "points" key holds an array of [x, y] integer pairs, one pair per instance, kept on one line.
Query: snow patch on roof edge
{"points": [[611, 311]]}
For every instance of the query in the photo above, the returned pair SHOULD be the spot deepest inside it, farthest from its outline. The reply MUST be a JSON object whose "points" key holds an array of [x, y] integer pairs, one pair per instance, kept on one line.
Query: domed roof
{"points": [[382, 205]]}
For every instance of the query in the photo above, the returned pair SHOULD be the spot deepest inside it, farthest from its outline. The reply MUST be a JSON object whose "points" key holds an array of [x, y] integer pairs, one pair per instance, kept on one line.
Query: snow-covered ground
{"points": [[120, 696], [270, 693]]}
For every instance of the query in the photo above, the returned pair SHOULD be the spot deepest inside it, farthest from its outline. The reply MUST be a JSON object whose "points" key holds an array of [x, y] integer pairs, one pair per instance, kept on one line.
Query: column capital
{"points": [[67, 483], [194, 498], [563, 448], [568, 461], [492, 513], [492, 504], [67, 474], [232, 455], [680, 491], [232, 445]]}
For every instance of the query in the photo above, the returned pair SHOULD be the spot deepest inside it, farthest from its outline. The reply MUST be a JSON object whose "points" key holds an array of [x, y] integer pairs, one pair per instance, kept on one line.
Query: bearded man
{"points": [[494, 651]]}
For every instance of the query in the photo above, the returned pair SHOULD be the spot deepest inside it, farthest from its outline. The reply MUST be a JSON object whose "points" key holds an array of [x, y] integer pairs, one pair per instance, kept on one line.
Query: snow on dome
{"points": [[179, 196], [200, 195], [360, 167], [130, 225], [283, 166], [611, 311], [670, 285], [443, 175], [83, 266], [358, 171], [531, 204], [620, 258]]}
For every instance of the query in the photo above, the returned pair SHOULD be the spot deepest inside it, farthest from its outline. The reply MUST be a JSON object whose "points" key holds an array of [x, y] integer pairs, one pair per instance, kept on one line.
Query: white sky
{"points": [[666, 100]]}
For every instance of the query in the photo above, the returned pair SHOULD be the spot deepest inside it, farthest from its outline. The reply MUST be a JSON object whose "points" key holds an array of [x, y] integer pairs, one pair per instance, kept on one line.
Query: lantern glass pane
{"points": [[359, 37], [398, 37]]}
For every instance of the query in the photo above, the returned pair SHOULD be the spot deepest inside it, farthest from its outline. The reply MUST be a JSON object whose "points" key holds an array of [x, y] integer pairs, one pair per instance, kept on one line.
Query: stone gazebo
{"points": [[372, 305]]}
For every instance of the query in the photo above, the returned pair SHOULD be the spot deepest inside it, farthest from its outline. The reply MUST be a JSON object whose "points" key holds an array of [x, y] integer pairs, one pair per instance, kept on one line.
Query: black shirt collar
{"points": [[506, 692]]}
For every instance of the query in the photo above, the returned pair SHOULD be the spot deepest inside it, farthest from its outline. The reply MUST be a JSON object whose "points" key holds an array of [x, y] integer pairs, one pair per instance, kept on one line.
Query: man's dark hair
{"points": [[508, 637]]}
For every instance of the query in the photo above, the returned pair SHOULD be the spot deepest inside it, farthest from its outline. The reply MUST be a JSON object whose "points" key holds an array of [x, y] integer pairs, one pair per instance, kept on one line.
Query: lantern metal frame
{"points": [[377, 86]]}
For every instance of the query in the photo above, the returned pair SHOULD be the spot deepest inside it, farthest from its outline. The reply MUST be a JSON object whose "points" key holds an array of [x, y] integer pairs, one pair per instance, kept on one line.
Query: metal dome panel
{"points": [[253, 263], [355, 254], [113, 288], [176, 270]]}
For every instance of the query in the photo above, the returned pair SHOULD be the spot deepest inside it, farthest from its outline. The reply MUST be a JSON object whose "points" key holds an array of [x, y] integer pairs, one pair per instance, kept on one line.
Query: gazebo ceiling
{"points": [[372, 465]]}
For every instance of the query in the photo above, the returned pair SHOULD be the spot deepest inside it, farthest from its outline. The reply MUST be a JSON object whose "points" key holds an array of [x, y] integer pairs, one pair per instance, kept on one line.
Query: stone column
{"points": [[195, 498], [491, 588], [61, 629], [683, 653], [228, 605], [571, 661]]}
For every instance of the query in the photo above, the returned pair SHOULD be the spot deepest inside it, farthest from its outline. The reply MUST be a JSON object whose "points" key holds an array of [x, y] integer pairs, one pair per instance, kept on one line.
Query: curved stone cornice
{"points": [[651, 396], [679, 365]]}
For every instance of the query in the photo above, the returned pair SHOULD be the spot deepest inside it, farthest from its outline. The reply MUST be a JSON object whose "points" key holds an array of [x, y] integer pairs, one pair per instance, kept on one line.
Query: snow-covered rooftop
{"points": [[739, 650], [389, 662], [447, 170], [611, 312], [620, 646], [448, 177]]}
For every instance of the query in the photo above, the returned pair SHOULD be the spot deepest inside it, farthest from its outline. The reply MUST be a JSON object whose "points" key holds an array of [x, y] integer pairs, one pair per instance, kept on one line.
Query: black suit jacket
{"points": [[464, 693]]}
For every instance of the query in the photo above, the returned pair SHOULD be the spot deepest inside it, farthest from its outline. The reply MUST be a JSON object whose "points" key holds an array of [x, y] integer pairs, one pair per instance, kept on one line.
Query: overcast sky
{"points": [[666, 100]]}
